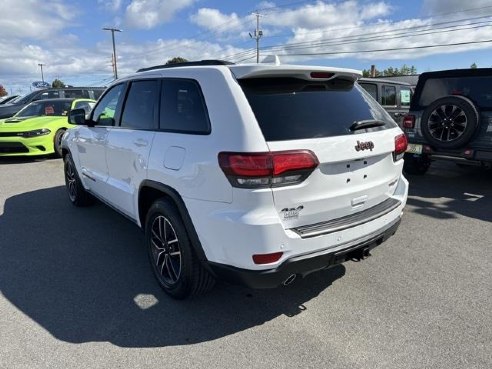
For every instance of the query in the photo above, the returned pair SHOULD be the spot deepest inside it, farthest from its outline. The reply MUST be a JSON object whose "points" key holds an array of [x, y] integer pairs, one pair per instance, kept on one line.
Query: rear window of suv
{"points": [[292, 108], [476, 89]]}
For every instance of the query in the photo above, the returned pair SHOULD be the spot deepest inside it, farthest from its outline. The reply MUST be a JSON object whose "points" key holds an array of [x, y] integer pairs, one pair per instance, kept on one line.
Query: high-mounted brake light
{"points": [[409, 121], [322, 74], [267, 169], [401, 144]]}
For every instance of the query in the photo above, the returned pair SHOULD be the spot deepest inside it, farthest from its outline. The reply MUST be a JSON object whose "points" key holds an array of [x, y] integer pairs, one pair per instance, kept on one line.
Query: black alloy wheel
{"points": [[450, 122], [166, 252], [57, 143], [76, 192], [171, 253]]}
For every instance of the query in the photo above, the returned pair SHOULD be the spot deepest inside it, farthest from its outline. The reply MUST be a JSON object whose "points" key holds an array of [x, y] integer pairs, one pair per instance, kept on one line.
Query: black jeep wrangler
{"points": [[450, 118]]}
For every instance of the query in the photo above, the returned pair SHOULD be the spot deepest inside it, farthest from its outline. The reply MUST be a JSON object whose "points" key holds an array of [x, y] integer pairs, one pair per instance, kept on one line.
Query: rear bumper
{"points": [[303, 264], [470, 155]]}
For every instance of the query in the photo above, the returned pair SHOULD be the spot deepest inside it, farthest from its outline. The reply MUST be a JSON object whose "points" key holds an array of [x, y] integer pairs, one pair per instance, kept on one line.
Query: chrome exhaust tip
{"points": [[289, 279]]}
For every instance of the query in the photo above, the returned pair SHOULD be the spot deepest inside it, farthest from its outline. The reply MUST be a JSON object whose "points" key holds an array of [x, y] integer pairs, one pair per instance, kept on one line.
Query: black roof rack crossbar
{"points": [[187, 64]]}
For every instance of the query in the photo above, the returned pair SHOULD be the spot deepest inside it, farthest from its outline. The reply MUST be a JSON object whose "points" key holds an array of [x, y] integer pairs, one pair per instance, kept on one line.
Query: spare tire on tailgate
{"points": [[450, 122]]}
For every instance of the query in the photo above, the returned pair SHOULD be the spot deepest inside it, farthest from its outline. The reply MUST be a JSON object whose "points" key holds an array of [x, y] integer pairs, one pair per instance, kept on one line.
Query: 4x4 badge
{"points": [[290, 213], [361, 146]]}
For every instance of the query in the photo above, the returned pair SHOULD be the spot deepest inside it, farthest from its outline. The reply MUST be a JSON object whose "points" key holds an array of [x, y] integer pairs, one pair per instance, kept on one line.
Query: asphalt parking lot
{"points": [[76, 290]]}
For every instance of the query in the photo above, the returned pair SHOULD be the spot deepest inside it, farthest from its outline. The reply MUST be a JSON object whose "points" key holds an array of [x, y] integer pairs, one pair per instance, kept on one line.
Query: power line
{"points": [[366, 36], [393, 49]]}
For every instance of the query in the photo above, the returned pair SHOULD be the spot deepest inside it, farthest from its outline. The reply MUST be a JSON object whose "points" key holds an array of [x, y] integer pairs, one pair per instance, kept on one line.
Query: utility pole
{"points": [[42, 76], [113, 30], [257, 35]]}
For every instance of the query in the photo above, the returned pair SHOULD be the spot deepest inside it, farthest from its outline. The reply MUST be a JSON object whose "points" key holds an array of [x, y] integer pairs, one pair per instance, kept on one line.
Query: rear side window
{"points": [[77, 94], [141, 105], [476, 89], [48, 95], [183, 108], [96, 94], [371, 88], [388, 95], [291, 108]]}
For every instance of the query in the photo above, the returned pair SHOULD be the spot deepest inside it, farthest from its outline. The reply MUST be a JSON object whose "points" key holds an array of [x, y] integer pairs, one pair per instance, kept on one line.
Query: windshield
{"points": [[43, 107]]}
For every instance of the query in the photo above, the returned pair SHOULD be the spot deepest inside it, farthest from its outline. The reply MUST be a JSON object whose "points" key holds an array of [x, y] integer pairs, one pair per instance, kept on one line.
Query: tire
{"points": [[416, 164], [57, 143], [76, 192], [450, 122], [171, 254]]}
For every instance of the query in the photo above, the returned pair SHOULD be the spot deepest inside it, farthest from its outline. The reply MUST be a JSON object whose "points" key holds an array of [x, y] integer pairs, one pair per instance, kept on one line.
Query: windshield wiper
{"points": [[369, 123]]}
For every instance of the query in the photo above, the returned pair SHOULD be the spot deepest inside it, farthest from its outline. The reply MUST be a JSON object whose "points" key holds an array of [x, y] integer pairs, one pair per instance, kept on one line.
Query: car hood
{"points": [[15, 124]]}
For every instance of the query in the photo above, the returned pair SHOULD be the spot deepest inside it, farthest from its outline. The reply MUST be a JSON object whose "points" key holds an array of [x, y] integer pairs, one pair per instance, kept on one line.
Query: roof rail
{"points": [[187, 64]]}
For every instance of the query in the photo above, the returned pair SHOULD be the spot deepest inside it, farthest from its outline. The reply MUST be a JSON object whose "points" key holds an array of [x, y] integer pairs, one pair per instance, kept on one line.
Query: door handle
{"points": [[140, 142]]}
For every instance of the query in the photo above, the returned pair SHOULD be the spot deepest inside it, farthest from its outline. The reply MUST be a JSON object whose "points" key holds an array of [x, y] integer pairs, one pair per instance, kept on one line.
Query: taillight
{"points": [[409, 121], [267, 169], [401, 144]]}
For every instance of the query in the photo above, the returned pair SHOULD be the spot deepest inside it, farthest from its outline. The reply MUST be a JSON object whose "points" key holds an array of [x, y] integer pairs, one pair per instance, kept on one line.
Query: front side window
{"points": [[292, 108], [141, 105], [183, 107], [104, 112], [388, 97]]}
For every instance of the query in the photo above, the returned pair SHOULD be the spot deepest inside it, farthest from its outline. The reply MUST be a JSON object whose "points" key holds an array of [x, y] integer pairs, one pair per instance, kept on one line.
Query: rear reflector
{"points": [[401, 144], [266, 169], [267, 258], [409, 121]]}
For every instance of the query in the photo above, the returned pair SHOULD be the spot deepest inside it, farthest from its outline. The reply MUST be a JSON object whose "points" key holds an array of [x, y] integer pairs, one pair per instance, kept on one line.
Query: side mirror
{"points": [[77, 116]]}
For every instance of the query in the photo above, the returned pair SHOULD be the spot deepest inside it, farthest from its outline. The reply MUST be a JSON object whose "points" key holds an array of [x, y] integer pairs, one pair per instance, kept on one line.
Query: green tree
{"points": [[3, 92], [176, 60], [57, 83], [405, 70], [473, 66]]}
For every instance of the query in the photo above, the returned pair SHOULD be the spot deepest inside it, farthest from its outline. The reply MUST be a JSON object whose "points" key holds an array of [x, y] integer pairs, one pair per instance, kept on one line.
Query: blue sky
{"points": [[67, 36]]}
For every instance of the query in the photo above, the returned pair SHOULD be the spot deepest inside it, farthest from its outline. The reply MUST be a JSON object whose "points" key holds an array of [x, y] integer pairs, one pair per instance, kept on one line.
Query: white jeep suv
{"points": [[254, 174]]}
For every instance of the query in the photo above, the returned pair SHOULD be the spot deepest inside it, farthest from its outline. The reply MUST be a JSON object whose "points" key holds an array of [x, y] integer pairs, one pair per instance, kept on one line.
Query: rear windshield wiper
{"points": [[369, 123]]}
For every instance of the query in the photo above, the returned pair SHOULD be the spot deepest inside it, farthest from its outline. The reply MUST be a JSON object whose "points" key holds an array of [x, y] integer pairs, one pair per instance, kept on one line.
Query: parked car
{"points": [[393, 96], [254, 174], [450, 118], [9, 109], [37, 129], [6, 99]]}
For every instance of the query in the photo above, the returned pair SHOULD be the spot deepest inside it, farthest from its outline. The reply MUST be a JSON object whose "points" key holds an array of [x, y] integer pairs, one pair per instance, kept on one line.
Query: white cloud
{"points": [[40, 20], [321, 14], [148, 14], [111, 5], [213, 19]]}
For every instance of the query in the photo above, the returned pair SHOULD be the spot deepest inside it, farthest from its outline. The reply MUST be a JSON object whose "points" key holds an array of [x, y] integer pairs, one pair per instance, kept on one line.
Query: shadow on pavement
{"points": [[461, 191], [24, 159], [83, 275]]}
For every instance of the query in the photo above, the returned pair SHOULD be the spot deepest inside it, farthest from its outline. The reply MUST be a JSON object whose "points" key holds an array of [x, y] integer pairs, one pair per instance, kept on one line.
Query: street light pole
{"points": [[113, 30], [42, 76]]}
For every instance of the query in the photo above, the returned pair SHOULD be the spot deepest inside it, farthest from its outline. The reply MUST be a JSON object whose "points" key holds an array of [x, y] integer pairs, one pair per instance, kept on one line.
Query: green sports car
{"points": [[38, 128]]}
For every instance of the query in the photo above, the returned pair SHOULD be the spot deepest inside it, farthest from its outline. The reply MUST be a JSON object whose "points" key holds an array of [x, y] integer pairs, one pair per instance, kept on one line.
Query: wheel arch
{"points": [[150, 191]]}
